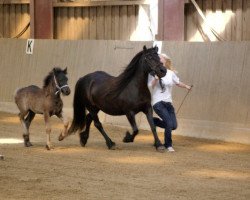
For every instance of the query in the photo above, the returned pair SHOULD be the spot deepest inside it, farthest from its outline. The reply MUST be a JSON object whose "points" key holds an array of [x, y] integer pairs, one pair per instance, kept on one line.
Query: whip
{"points": [[184, 99]]}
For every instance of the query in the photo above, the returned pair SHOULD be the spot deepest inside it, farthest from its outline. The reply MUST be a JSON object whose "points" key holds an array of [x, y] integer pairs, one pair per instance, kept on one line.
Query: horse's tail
{"points": [[79, 116]]}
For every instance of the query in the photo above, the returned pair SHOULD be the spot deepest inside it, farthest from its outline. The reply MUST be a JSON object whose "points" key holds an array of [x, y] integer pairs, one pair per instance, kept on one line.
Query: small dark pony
{"points": [[126, 94], [33, 100]]}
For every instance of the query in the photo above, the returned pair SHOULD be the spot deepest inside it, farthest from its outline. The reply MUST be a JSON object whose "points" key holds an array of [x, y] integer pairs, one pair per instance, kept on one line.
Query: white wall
{"points": [[218, 107]]}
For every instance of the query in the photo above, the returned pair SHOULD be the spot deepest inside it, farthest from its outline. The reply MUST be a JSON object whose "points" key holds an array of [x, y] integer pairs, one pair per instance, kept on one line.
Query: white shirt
{"points": [[157, 94]]}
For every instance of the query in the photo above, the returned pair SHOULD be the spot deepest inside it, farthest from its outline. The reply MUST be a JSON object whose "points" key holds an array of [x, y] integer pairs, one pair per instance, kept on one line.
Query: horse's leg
{"points": [[65, 121], [158, 145], [98, 125], [29, 118], [28, 121], [84, 135], [129, 137], [26, 137], [48, 130]]}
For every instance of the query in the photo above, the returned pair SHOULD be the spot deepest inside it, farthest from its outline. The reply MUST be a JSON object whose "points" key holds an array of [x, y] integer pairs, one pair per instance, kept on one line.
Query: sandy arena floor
{"points": [[199, 169]]}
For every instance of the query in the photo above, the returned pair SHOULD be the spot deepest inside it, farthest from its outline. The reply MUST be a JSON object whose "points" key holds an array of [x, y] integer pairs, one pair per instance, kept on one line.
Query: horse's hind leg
{"points": [[129, 137], [29, 118], [26, 125], [84, 135], [98, 125]]}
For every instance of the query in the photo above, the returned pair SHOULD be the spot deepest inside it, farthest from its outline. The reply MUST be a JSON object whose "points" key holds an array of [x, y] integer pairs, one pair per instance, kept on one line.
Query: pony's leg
{"points": [[65, 121], [48, 131], [129, 137], [158, 145], [98, 125], [84, 135], [29, 118], [26, 137]]}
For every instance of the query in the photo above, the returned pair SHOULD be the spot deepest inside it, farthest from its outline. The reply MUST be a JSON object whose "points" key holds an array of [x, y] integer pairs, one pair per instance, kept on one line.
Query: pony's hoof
{"points": [[28, 144], [49, 147], [161, 149], [128, 138], [60, 138]]}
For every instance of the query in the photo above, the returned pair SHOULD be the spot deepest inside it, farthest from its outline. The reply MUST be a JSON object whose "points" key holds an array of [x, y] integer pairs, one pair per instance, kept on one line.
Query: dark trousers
{"points": [[166, 112]]}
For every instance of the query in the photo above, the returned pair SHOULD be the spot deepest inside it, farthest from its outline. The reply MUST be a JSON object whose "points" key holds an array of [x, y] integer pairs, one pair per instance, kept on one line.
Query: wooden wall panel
{"points": [[86, 24], [115, 23], [13, 19], [108, 23], [229, 18], [95, 22], [1, 21]]}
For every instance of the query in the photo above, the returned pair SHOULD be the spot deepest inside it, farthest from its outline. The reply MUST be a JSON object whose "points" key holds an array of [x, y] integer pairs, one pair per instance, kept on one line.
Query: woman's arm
{"points": [[152, 81], [183, 85]]}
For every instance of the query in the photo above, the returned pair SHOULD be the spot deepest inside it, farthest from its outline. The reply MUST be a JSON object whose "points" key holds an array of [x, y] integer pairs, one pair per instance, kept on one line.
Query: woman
{"points": [[161, 99]]}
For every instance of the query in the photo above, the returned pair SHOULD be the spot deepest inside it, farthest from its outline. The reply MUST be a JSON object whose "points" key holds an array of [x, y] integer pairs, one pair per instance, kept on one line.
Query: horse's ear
{"points": [[65, 71], [54, 69], [156, 48], [144, 48]]}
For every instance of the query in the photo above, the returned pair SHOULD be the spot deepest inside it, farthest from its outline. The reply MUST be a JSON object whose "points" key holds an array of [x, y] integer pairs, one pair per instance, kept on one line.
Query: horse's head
{"points": [[61, 81], [152, 62]]}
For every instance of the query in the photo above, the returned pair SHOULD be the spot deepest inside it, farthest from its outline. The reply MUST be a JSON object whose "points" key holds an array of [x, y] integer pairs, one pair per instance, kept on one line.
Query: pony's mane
{"points": [[50, 77], [126, 76]]}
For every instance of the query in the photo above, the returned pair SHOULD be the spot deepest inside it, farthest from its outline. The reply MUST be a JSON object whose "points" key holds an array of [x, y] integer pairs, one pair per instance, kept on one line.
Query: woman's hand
{"points": [[189, 87]]}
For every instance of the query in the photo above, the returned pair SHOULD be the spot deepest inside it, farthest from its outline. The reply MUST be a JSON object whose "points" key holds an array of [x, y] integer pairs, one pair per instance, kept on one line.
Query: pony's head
{"points": [[61, 81], [152, 61]]}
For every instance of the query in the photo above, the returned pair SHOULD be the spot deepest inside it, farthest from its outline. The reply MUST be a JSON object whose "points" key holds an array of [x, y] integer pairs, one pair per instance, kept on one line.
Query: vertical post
{"points": [[171, 20], [41, 19]]}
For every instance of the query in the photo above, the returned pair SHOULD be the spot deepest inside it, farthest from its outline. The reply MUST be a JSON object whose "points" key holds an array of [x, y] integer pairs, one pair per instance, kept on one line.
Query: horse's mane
{"points": [[125, 77], [50, 77]]}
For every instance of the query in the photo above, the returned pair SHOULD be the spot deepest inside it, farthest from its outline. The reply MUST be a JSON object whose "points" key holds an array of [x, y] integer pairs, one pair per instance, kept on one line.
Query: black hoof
{"points": [[28, 144], [161, 149], [47, 147], [111, 146], [83, 139], [128, 138]]}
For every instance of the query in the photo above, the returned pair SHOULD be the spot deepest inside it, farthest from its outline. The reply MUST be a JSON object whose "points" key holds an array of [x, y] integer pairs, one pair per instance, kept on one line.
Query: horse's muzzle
{"points": [[161, 71], [66, 91]]}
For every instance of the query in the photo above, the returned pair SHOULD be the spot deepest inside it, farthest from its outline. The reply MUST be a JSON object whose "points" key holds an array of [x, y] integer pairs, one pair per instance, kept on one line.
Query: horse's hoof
{"points": [[83, 139], [128, 138], [60, 138], [49, 147], [112, 146], [1, 157], [161, 149], [82, 143], [28, 144]]}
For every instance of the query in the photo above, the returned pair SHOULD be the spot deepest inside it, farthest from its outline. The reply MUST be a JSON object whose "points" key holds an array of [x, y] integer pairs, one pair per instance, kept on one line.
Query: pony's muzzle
{"points": [[66, 91]]}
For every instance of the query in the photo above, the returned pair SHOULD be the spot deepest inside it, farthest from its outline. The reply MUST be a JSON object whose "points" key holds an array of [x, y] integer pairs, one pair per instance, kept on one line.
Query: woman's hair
{"points": [[168, 63]]}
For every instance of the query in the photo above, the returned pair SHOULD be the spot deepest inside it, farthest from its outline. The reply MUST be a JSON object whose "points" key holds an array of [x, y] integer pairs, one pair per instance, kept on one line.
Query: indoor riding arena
{"points": [[208, 42]]}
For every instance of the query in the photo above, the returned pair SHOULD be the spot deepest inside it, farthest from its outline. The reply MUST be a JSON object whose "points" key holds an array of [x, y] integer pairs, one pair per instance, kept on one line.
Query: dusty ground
{"points": [[199, 169]]}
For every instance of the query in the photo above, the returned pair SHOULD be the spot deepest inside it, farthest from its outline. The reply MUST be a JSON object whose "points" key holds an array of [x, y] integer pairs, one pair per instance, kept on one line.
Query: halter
{"points": [[58, 87], [151, 68], [149, 63]]}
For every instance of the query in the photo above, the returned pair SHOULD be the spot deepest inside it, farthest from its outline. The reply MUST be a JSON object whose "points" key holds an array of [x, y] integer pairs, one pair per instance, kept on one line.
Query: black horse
{"points": [[126, 94]]}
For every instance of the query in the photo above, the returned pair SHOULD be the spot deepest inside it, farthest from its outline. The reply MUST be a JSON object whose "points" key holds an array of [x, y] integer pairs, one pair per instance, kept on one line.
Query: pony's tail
{"points": [[79, 116]]}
